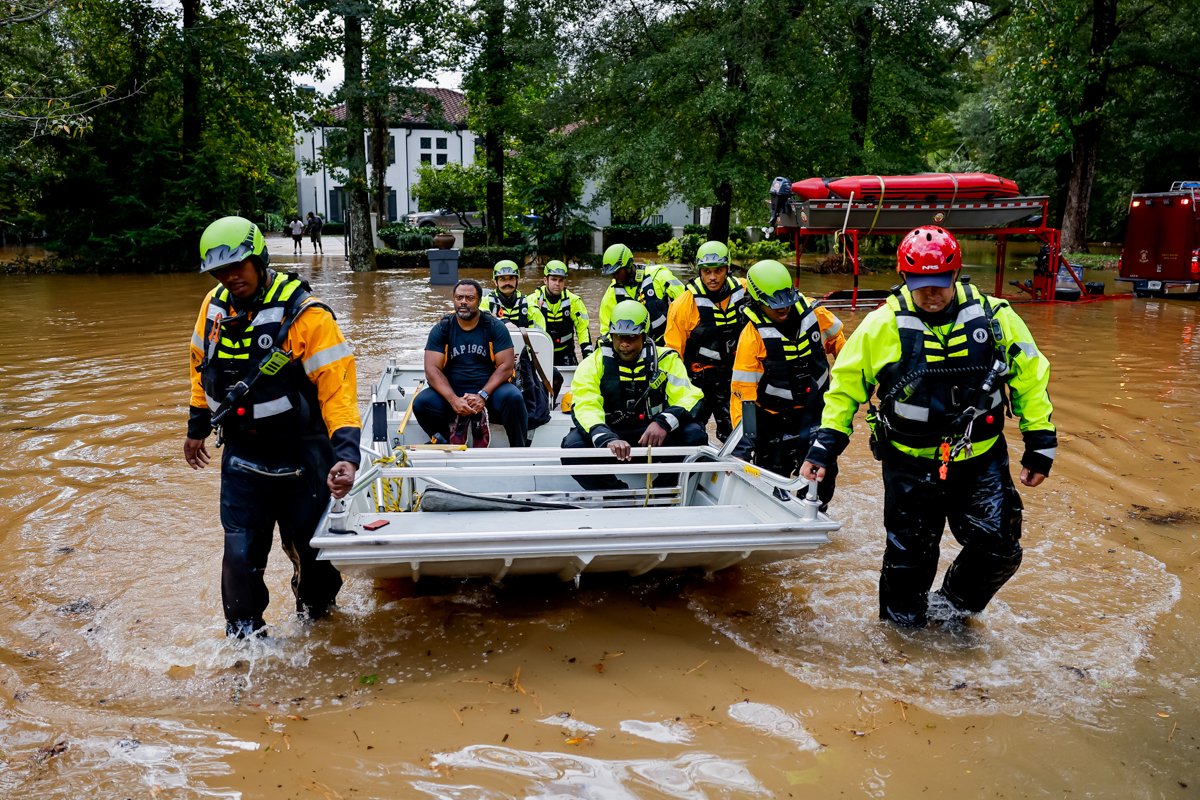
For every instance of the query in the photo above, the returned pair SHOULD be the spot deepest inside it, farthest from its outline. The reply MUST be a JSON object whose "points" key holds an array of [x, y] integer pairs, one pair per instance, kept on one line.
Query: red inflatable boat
{"points": [[928, 187]]}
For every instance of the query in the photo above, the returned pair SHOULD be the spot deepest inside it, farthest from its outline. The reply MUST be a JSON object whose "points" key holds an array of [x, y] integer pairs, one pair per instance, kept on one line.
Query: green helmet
{"points": [[231, 240], [629, 318], [712, 254], [615, 257], [555, 268], [505, 267], [770, 283]]}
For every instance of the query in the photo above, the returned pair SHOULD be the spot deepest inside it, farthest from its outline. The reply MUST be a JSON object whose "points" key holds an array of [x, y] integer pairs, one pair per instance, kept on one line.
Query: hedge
{"points": [[637, 237], [468, 257]]}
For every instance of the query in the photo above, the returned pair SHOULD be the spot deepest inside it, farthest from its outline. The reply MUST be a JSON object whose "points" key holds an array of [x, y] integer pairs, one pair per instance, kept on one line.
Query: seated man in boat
{"points": [[703, 325], [939, 356], [469, 362], [781, 372], [272, 373], [506, 301], [631, 391], [654, 286]]}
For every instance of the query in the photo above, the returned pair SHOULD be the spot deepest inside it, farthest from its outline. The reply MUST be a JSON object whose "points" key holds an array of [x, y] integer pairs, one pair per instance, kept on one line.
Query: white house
{"points": [[412, 140]]}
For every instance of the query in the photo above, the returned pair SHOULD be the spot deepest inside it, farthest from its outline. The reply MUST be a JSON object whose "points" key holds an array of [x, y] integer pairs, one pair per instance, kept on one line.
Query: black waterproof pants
{"points": [[262, 487], [714, 382], [782, 442], [688, 435], [981, 504]]}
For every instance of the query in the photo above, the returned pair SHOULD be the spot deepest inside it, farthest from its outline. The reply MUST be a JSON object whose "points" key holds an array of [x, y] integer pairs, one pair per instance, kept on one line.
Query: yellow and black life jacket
{"points": [[633, 393], [714, 340], [560, 323], [514, 309], [922, 396], [246, 348], [796, 370]]}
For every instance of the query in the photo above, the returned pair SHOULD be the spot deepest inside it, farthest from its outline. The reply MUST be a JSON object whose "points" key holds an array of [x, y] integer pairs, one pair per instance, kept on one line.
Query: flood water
{"points": [[116, 680]]}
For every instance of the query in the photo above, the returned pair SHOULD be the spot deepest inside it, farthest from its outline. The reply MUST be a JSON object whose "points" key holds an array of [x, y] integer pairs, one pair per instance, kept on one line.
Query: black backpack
{"points": [[529, 379]]}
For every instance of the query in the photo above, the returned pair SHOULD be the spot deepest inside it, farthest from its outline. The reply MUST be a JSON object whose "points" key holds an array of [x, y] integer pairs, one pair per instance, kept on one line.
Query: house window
{"points": [[391, 148], [656, 219], [337, 204], [425, 142], [441, 159], [441, 143], [391, 205], [426, 158]]}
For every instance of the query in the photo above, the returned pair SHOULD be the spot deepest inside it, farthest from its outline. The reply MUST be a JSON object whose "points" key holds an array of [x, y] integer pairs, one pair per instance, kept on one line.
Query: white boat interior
{"points": [[449, 510]]}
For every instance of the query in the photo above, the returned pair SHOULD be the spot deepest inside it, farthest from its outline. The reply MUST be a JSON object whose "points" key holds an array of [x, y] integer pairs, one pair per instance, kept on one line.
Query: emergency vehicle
{"points": [[1161, 253]]}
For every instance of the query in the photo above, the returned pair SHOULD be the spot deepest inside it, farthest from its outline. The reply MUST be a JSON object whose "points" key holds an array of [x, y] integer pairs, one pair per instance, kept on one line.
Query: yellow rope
{"points": [[879, 206], [392, 489]]}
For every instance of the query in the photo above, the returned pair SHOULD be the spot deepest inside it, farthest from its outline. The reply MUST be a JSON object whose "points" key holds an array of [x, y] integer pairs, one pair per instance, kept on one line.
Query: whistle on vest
{"points": [[945, 466]]}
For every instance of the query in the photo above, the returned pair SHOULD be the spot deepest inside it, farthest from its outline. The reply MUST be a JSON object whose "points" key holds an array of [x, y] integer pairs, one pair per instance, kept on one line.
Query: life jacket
{"points": [[646, 293], [281, 398], [795, 372], [560, 322], [635, 392], [714, 339], [923, 395], [515, 310]]}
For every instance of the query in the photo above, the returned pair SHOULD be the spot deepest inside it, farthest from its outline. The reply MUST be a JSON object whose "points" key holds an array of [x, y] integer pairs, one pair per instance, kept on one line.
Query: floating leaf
{"points": [[369, 680]]}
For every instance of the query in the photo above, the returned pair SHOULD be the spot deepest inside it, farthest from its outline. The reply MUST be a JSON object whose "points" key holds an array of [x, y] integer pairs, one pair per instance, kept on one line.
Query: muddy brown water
{"points": [[115, 680]]}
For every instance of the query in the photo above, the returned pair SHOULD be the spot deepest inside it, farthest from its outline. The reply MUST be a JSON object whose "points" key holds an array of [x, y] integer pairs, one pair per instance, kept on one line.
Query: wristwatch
{"points": [[483, 393]]}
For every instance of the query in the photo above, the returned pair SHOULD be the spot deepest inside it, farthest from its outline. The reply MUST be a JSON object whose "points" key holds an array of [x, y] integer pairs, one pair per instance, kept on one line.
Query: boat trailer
{"points": [[1002, 218]]}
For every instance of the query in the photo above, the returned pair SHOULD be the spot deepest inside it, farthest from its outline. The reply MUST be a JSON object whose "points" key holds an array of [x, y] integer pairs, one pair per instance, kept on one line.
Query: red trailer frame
{"points": [[895, 218]]}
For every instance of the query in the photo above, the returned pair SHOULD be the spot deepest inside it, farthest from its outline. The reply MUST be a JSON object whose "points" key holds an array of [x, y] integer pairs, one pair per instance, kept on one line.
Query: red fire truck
{"points": [[1161, 253]]}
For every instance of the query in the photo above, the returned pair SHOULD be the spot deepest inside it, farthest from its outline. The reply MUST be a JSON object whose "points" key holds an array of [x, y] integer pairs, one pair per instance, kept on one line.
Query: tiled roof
{"points": [[454, 107]]}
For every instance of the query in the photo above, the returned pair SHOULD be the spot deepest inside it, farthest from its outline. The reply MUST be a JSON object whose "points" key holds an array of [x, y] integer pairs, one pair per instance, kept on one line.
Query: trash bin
{"points": [[443, 267]]}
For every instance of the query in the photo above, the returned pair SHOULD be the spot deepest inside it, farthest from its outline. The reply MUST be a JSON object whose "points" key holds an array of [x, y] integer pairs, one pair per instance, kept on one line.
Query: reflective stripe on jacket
{"points": [[876, 345], [516, 309], [655, 287], [762, 349], [608, 392], [706, 330], [227, 347], [565, 320]]}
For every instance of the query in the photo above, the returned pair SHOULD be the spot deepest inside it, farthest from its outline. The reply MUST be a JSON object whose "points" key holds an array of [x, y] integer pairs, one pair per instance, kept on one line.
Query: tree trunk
{"points": [[495, 70], [718, 223], [192, 119], [360, 251], [379, 150], [1088, 133], [860, 73]]}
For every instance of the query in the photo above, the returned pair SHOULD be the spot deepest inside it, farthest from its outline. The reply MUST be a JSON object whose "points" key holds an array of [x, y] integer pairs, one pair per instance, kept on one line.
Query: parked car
{"points": [[445, 218]]}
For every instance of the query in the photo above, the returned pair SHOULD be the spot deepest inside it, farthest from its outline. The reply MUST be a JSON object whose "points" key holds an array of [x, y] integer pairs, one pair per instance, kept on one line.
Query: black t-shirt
{"points": [[469, 356]]}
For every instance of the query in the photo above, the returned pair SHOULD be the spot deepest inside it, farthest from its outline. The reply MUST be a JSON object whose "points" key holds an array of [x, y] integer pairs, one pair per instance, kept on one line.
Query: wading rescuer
{"points": [[273, 374], [781, 373], [631, 390], [938, 356], [653, 286], [506, 301], [703, 325]]}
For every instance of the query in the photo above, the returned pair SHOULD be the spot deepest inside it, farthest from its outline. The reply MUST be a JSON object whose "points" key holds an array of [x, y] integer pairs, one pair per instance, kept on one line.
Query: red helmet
{"points": [[928, 250]]}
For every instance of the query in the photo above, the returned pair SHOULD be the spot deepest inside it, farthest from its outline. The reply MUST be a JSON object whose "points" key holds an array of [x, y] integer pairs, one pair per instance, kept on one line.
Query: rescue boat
{"points": [[451, 511], [928, 187]]}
